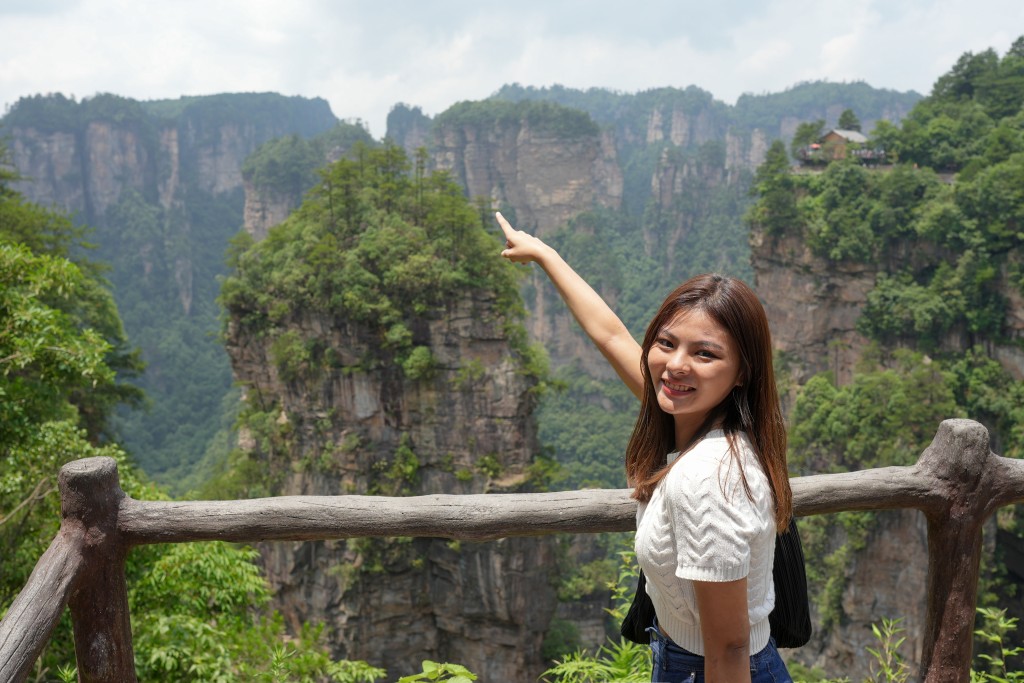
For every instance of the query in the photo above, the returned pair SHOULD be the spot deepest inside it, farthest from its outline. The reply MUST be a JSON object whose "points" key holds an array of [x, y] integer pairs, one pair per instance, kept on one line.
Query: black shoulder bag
{"points": [[640, 615], [790, 620]]}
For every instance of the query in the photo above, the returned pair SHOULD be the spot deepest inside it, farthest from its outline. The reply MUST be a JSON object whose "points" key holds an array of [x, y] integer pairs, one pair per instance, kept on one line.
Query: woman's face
{"points": [[694, 364]]}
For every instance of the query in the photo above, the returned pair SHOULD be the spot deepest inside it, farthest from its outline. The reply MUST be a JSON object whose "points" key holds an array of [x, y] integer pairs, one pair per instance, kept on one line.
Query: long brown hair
{"points": [[753, 407]]}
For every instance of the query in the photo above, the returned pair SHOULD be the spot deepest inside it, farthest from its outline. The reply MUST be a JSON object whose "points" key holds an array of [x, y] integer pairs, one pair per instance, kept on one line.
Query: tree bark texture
{"points": [[477, 517], [27, 626], [91, 496]]}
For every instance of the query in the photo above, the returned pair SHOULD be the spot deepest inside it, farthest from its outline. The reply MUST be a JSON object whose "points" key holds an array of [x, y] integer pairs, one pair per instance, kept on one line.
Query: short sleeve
{"points": [[714, 520]]}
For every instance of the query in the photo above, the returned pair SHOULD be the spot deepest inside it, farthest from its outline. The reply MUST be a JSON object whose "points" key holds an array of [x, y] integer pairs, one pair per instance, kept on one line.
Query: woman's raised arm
{"points": [[600, 323]]}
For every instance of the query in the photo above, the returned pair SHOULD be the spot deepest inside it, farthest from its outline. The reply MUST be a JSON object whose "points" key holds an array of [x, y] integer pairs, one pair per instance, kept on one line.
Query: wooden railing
{"points": [[957, 483]]}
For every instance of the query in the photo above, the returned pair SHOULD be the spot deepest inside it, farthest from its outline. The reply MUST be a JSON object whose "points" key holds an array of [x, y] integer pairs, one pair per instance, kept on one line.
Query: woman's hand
{"points": [[521, 247]]}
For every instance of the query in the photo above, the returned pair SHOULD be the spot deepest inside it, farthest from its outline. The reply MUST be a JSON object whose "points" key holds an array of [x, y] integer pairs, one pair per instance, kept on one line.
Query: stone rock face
{"points": [[812, 306], [741, 153], [468, 429], [681, 128], [52, 165], [547, 179], [85, 168], [265, 208]]}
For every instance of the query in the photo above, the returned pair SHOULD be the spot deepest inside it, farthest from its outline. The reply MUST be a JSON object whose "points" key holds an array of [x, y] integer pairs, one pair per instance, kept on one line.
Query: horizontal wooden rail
{"points": [[477, 517], [957, 483]]}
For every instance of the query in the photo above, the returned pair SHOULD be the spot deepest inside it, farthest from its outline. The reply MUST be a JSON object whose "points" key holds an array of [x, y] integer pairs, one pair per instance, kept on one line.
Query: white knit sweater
{"points": [[700, 526]]}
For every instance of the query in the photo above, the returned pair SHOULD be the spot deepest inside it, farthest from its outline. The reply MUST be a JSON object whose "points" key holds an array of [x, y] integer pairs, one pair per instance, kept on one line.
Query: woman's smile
{"points": [[674, 389]]}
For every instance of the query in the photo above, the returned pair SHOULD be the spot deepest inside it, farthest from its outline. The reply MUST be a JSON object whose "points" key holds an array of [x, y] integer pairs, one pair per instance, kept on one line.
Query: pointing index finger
{"points": [[506, 227]]}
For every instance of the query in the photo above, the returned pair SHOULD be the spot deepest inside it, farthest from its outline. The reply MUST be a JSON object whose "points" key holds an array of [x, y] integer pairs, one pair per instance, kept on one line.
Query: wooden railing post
{"points": [[26, 628], [90, 498], [973, 483]]}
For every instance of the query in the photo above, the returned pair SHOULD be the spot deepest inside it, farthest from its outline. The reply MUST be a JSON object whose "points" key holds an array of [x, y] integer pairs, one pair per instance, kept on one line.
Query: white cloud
{"points": [[766, 58], [366, 57]]}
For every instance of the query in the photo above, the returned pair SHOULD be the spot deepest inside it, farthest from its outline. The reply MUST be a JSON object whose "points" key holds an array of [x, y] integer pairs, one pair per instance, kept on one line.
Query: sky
{"points": [[364, 57]]}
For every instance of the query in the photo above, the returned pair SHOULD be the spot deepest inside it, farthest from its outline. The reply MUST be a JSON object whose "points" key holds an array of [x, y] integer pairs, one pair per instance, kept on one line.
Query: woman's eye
{"points": [[664, 343]]}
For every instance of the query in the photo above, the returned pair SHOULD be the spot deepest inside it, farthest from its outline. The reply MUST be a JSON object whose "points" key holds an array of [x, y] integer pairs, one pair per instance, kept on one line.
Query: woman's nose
{"points": [[678, 363]]}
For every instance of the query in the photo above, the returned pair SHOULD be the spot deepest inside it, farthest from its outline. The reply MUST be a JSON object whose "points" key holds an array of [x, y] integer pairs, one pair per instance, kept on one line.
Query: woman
{"points": [[707, 461]]}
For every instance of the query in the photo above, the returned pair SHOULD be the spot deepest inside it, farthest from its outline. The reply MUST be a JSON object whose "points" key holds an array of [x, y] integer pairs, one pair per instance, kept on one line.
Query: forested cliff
{"points": [[380, 347], [160, 184], [896, 298]]}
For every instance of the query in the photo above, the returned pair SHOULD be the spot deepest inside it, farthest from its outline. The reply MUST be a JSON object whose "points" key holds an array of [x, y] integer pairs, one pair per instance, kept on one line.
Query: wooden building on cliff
{"points": [[838, 144]]}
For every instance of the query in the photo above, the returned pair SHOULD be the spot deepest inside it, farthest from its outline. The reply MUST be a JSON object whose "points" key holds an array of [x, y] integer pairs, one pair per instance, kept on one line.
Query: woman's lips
{"points": [[674, 389]]}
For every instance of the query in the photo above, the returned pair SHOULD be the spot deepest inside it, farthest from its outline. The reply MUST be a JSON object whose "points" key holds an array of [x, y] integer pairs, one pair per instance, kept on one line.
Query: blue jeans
{"points": [[673, 664]]}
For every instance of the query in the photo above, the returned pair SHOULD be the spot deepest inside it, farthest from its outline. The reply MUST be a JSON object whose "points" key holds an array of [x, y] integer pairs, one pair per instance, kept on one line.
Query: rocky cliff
{"points": [[160, 184], [103, 149], [82, 156], [466, 428], [813, 306], [545, 176], [814, 303]]}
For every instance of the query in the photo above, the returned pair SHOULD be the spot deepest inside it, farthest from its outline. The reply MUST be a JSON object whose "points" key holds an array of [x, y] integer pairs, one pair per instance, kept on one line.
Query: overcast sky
{"points": [[365, 56]]}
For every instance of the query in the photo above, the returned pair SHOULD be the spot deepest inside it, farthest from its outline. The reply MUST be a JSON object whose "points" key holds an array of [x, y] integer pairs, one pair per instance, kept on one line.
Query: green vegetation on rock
{"points": [[543, 117], [373, 244], [384, 248]]}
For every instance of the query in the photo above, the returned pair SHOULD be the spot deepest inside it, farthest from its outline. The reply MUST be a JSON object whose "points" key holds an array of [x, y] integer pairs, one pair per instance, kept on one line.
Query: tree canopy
{"points": [[848, 120]]}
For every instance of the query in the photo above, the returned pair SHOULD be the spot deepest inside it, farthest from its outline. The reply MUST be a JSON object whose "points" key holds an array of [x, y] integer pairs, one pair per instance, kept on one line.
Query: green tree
{"points": [[776, 209], [961, 82], [848, 120], [885, 416], [200, 614], [988, 394], [49, 365], [834, 215]]}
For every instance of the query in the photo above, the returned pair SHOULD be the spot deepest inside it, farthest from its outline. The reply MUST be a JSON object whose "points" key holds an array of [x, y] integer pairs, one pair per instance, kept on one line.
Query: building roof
{"points": [[848, 135]]}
